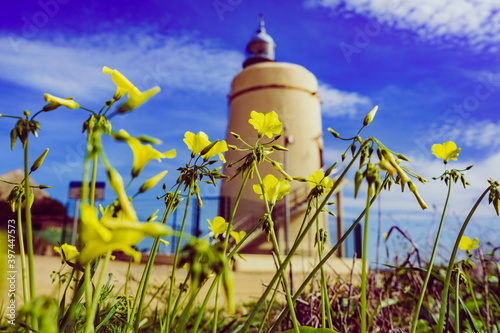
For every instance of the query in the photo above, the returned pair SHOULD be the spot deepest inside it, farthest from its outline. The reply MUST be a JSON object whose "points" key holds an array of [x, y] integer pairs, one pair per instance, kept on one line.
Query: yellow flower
{"points": [[219, 226], [151, 182], [274, 189], [110, 233], [122, 83], [135, 99], [238, 236], [55, 102], [467, 244], [142, 153], [446, 151], [318, 179], [198, 142], [70, 251], [267, 124]]}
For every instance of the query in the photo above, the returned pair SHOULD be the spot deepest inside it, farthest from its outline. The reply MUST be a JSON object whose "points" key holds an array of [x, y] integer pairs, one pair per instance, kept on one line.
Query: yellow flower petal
{"points": [[196, 142], [267, 124], [142, 153], [122, 83], [318, 179], [55, 102], [219, 226], [70, 251], [467, 244], [274, 189], [136, 99], [238, 236], [446, 151]]}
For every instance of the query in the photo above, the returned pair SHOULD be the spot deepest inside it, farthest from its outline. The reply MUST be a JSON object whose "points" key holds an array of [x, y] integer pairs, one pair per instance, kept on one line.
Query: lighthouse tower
{"points": [[291, 91]]}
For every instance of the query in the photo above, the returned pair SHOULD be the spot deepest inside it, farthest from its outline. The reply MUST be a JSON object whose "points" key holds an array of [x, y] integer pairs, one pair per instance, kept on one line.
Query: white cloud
{"points": [[474, 22], [477, 134], [73, 65], [338, 103]]}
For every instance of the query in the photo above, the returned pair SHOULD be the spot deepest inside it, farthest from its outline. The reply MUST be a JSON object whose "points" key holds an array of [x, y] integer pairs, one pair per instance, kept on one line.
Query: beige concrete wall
{"points": [[291, 91]]}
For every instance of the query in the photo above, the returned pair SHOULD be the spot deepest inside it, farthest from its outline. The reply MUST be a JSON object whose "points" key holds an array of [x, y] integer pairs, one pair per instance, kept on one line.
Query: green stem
{"points": [[431, 263], [285, 282], [88, 289], [364, 261], [29, 226], [325, 302], [204, 305], [97, 294], [299, 240], [226, 240], [176, 255], [269, 308], [216, 307], [127, 277], [471, 291], [446, 287], [22, 254], [141, 289], [325, 259], [93, 180], [457, 308], [277, 250]]}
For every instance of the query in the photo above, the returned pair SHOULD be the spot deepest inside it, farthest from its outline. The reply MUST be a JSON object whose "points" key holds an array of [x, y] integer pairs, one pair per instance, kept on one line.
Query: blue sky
{"points": [[431, 66]]}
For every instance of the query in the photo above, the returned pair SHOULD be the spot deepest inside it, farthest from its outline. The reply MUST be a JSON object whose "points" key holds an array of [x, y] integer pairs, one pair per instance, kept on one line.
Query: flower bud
{"points": [[358, 178], [277, 166], [300, 179], [13, 137], [413, 189], [38, 162], [353, 149], [150, 183], [278, 147], [403, 157], [330, 169], [335, 134], [208, 147], [237, 136], [369, 116]]}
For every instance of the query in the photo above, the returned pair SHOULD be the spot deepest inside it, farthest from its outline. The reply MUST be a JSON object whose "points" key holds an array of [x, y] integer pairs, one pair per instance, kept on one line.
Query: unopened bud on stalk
{"points": [[369, 116], [277, 166], [39, 161], [237, 136], [300, 179], [413, 189], [150, 183], [357, 182], [335, 134], [278, 147], [403, 157]]}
